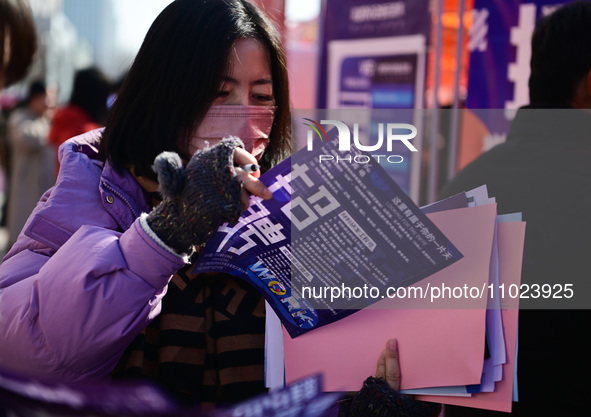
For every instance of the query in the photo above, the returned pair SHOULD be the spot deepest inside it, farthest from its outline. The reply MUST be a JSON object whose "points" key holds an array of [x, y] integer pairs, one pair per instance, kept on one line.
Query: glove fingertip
{"points": [[169, 168], [233, 139]]}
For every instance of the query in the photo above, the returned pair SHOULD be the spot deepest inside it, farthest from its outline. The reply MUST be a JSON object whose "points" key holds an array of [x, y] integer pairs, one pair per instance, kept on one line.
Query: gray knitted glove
{"points": [[377, 399], [198, 197]]}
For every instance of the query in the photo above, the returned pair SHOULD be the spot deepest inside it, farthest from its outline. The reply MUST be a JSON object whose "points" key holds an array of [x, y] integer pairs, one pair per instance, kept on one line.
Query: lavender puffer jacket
{"points": [[84, 278]]}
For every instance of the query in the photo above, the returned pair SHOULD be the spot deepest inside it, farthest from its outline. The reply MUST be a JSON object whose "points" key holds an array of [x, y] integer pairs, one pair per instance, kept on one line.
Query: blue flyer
{"points": [[337, 233]]}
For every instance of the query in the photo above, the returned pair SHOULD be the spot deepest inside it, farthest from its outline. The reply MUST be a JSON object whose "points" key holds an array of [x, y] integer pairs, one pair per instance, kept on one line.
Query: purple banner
{"points": [[500, 51]]}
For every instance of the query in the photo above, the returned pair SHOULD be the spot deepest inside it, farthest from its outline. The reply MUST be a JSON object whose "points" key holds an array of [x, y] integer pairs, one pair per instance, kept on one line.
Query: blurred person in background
{"points": [[32, 157], [543, 170], [86, 109], [18, 42]]}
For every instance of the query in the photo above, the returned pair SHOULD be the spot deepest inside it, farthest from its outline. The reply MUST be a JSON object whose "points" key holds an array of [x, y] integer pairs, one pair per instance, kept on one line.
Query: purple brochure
{"points": [[24, 396], [303, 398], [335, 237]]}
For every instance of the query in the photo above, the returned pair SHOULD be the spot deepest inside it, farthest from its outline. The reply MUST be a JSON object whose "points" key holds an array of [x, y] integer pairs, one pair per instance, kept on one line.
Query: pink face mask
{"points": [[249, 123]]}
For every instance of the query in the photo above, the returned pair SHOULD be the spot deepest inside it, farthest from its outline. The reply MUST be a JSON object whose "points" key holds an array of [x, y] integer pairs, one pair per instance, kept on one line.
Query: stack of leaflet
{"points": [[458, 348], [453, 266], [325, 233]]}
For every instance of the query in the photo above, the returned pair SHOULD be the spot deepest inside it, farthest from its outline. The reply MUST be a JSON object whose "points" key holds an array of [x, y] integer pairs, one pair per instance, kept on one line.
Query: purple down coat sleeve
{"points": [[84, 277], [76, 315]]}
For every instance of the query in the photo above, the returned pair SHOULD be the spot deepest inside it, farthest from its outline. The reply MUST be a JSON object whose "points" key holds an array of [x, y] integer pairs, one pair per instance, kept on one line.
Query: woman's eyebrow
{"points": [[260, 81]]}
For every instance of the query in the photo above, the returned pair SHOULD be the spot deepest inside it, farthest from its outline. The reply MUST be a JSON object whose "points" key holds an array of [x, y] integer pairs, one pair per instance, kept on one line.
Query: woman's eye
{"points": [[223, 94], [264, 97]]}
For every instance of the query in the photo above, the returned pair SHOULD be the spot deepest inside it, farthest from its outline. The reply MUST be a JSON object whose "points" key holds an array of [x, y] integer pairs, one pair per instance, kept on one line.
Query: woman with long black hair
{"points": [[98, 284]]}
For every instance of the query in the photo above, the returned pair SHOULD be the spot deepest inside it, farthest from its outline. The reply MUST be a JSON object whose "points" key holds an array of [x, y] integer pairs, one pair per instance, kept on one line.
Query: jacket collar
{"points": [[87, 192], [122, 196]]}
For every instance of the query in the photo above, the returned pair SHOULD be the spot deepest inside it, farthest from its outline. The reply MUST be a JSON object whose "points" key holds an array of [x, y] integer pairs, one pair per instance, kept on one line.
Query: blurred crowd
{"points": [[31, 132]]}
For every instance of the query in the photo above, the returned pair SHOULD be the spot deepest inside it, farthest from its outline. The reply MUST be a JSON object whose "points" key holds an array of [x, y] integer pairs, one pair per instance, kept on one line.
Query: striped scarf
{"points": [[207, 345]]}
